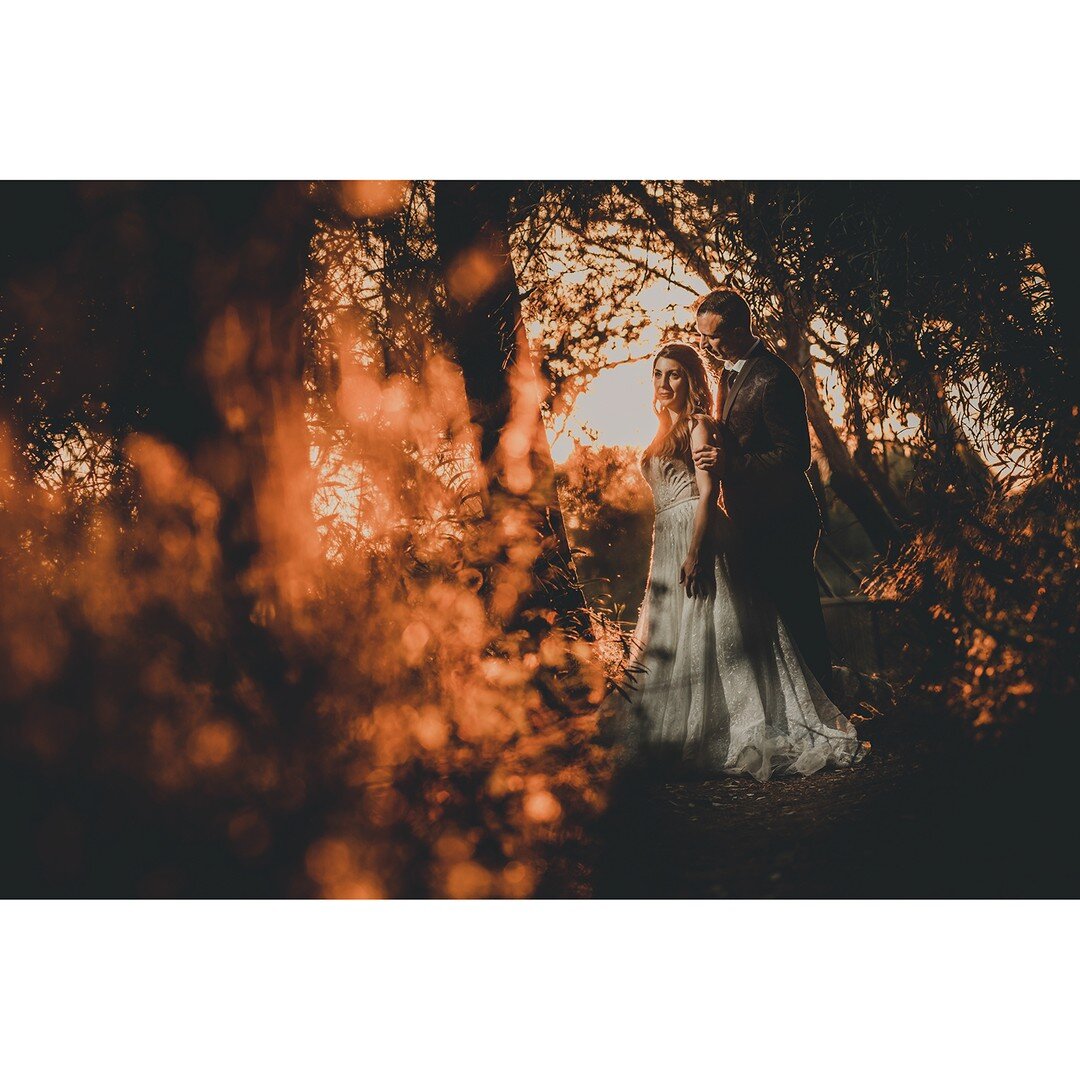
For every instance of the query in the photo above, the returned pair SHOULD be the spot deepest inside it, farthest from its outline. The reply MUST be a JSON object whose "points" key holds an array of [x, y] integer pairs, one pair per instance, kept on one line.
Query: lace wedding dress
{"points": [[715, 682]]}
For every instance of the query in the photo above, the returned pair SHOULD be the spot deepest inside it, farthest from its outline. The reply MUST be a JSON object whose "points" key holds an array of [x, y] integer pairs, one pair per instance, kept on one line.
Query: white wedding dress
{"points": [[715, 682]]}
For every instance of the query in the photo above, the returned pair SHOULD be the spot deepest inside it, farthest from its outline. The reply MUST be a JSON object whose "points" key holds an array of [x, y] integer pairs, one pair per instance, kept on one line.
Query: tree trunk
{"points": [[864, 458], [483, 326], [959, 464], [222, 317], [845, 477], [1049, 213]]}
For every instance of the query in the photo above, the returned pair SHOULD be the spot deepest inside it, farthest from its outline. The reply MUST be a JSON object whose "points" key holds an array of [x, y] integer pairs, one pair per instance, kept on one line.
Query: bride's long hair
{"points": [[672, 439]]}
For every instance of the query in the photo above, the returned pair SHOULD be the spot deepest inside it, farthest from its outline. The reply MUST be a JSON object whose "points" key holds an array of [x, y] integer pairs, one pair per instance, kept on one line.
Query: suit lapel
{"points": [[740, 381]]}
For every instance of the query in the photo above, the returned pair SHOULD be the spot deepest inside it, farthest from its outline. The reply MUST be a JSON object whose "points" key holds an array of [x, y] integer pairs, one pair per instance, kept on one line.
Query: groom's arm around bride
{"points": [[767, 495]]}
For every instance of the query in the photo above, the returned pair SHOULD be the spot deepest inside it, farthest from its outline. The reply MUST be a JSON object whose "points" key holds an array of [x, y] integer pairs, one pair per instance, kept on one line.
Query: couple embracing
{"points": [[729, 669]]}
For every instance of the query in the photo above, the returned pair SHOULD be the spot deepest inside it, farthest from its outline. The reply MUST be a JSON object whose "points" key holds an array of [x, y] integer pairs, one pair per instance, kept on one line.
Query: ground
{"points": [[930, 813]]}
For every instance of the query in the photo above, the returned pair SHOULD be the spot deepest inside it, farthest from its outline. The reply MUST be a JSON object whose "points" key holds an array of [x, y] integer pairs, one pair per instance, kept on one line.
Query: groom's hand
{"points": [[709, 459]]}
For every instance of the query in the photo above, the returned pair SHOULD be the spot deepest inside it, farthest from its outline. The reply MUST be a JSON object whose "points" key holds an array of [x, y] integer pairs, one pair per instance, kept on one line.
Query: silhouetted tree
{"points": [[483, 325]]}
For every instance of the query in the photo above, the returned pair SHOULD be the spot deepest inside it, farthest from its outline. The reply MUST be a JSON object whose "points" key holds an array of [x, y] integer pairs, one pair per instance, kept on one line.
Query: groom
{"points": [[761, 464]]}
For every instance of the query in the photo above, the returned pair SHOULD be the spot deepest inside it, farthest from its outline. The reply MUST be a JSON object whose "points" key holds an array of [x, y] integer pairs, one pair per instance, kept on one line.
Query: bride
{"points": [[714, 681]]}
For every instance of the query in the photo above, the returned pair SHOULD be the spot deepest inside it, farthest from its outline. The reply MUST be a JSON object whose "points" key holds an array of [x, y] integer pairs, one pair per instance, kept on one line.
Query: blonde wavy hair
{"points": [[672, 439]]}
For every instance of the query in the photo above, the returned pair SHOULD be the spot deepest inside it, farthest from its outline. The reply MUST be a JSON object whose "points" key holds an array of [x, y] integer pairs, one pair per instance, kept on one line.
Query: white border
{"points": [[223, 89], [392, 988]]}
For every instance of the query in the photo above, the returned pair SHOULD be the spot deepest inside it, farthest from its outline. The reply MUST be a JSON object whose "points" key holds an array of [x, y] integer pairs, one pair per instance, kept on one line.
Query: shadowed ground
{"points": [[926, 815]]}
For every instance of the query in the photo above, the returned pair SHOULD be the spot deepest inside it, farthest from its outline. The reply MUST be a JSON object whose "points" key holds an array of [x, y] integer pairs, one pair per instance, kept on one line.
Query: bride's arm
{"points": [[697, 569]]}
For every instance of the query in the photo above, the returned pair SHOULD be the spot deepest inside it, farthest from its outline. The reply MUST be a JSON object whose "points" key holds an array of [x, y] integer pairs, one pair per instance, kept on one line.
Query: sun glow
{"points": [[616, 407], [616, 410]]}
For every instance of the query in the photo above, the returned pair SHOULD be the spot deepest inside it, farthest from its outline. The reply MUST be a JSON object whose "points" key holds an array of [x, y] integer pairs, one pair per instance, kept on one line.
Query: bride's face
{"points": [[671, 388]]}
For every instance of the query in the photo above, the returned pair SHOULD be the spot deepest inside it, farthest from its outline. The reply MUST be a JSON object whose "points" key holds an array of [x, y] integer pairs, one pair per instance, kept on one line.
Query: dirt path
{"points": [[924, 816]]}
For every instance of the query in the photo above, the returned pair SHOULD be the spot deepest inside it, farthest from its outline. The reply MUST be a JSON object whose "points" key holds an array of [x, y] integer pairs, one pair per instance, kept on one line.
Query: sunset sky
{"points": [[617, 406]]}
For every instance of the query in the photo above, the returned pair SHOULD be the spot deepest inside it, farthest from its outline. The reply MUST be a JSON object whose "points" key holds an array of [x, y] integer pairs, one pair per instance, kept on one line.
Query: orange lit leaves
{"points": [[334, 864], [213, 743], [473, 273], [373, 198]]}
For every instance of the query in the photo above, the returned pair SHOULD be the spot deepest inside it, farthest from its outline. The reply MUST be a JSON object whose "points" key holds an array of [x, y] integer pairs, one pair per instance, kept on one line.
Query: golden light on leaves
{"points": [[373, 198], [333, 863], [387, 683], [414, 640], [471, 578], [428, 716], [518, 880], [430, 728], [542, 807], [468, 881], [472, 274], [213, 743]]}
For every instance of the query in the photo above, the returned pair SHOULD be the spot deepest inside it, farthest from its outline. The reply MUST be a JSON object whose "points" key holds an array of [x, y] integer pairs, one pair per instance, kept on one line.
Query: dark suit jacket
{"points": [[767, 493]]}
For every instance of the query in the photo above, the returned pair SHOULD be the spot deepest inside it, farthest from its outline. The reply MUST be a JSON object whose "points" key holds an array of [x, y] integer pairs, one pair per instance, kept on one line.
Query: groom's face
{"points": [[716, 339]]}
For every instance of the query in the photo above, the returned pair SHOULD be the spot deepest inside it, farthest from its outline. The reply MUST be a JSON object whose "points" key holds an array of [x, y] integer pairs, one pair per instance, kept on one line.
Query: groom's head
{"points": [[723, 321]]}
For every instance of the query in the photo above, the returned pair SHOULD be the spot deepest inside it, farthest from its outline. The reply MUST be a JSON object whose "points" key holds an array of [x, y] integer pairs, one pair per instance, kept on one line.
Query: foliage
{"points": [[409, 744], [1000, 590]]}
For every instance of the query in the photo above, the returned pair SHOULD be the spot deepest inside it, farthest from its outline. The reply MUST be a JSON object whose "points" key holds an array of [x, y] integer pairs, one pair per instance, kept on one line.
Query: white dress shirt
{"points": [[735, 366]]}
